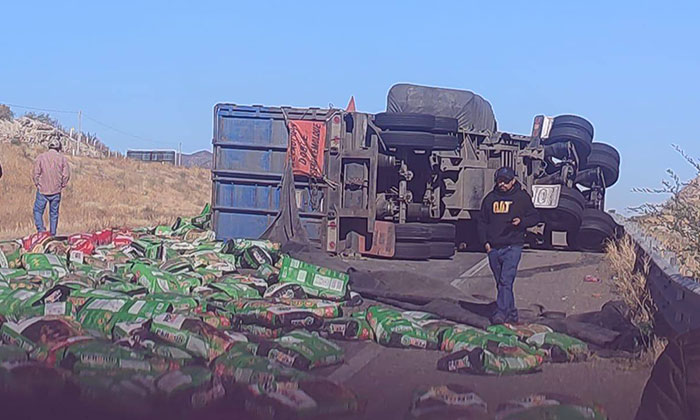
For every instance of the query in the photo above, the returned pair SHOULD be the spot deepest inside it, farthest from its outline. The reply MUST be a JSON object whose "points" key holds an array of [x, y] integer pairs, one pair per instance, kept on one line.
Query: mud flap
{"points": [[383, 240]]}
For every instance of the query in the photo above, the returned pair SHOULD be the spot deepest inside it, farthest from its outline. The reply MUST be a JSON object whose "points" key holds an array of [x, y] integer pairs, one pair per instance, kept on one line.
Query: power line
{"points": [[124, 132], [40, 109], [91, 119]]}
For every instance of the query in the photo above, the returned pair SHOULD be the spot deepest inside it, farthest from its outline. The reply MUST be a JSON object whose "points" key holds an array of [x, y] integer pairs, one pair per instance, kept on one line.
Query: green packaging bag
{"points": [[260, 373], [193, 335], [179, 303], [321, 307], [45, 309], [392, 329], [348, 328], [12, 354], [484, 362], [157, 281], [12, 300], [137, 334], [254, 257], [259, 331], [177, 265], [317, 281], [550, 407], [285, 291], [303, 350], [105, 356], [448, 402], [10, 274], [238, 246], [268, 272], [463, 337], [213, 260], [227, 291], [256, 283], [79, 295], [274, 315], [44, 265], [39, 336], [10, 254], [98, 315], [559, 347], [523, 332]]}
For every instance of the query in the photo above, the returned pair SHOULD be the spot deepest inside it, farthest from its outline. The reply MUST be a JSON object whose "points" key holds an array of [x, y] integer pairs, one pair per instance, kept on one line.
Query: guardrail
{"points": [[677, 297]]}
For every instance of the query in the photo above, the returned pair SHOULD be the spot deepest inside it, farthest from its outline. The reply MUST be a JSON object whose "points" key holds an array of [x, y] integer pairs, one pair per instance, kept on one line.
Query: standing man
{"points": [[51, 174], [505, 214]]}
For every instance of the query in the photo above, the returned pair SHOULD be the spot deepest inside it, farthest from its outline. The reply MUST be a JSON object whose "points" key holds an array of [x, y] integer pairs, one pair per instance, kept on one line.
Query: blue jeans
{"points": [[40, 202], [504, 265]]}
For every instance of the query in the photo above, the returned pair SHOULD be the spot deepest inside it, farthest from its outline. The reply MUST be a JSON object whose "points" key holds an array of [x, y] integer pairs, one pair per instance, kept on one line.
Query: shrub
{"points": [[6, 113]]}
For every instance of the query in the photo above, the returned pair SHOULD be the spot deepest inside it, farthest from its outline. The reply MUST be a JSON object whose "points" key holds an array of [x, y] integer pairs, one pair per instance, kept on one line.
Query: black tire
{"points": [[437, 232], [580, 138], [442, 250], [597, 227], [405, 121], [413, 139], [606, 150], [445, 125], [443, 232], [608, 159], [412, 251], [412, 232], [568, 215], [573, 121]]}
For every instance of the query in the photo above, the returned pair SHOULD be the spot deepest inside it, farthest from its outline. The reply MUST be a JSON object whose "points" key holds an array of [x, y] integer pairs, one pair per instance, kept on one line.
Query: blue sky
{"points": [[154, 70]]}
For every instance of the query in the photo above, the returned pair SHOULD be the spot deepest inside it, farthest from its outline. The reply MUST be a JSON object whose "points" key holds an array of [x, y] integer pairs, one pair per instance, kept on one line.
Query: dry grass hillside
{"points": [[675, 224], [101, 193]]}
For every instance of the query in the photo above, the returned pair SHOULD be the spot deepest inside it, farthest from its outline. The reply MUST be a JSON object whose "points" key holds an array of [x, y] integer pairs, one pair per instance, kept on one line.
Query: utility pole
{"points": [[80, 129], [179, 154]]}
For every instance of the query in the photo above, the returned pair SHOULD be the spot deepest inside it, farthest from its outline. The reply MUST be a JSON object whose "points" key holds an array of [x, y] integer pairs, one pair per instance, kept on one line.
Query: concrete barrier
{"points": [[677, 297]]}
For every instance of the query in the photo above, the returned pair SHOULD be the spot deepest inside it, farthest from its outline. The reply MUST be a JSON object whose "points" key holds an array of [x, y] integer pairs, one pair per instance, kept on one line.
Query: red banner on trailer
{"points": [[307, 139]]}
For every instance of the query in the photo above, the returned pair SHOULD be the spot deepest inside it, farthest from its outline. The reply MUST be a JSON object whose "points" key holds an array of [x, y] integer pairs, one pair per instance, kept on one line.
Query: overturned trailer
{"points": [[406, 183]]}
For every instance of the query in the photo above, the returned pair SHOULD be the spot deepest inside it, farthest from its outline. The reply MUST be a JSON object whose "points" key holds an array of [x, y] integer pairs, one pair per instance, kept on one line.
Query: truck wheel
{"points": [[567, 216], [608, 159], [445, 125], [596, 228], [411, 251], [412, 232], [573, 121], [442, 250], [404, 121], [446, 142], [580, 138], [409, 139], [437, 232], [443, 232]]}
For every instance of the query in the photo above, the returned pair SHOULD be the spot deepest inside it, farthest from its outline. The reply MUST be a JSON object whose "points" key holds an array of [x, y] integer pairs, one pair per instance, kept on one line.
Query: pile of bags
{"points": [[454, 401], [167, 318]]}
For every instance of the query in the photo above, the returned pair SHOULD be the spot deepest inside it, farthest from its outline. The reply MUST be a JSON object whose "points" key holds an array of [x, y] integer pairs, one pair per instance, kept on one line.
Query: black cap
{"points": [[504, 172]]}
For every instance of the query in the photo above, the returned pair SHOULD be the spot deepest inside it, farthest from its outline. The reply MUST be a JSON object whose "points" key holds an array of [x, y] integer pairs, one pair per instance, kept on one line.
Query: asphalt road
{"points": [[386, 378]]}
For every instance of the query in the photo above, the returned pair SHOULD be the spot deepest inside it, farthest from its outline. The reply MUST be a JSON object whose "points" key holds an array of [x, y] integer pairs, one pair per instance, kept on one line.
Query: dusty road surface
{"points": [[385, 377]]}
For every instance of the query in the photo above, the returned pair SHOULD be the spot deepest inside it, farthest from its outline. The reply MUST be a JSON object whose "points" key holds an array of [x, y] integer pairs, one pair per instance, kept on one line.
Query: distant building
{"points": [[167, 156]]}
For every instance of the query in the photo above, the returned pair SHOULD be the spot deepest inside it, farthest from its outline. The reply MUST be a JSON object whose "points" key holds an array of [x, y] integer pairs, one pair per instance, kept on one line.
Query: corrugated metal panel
{"points": [[250, 146]]}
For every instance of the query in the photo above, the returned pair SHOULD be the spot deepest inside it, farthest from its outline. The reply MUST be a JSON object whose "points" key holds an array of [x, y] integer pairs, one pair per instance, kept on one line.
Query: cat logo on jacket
{"points": [[501, 207]]}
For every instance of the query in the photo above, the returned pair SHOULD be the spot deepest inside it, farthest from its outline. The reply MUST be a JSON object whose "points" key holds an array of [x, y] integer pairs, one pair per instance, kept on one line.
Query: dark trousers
{"points": [[54, 201], [504, 265]]}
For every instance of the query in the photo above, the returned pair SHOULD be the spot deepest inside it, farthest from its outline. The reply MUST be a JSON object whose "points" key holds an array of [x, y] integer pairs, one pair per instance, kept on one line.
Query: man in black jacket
{"points": [[505, 214]]}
